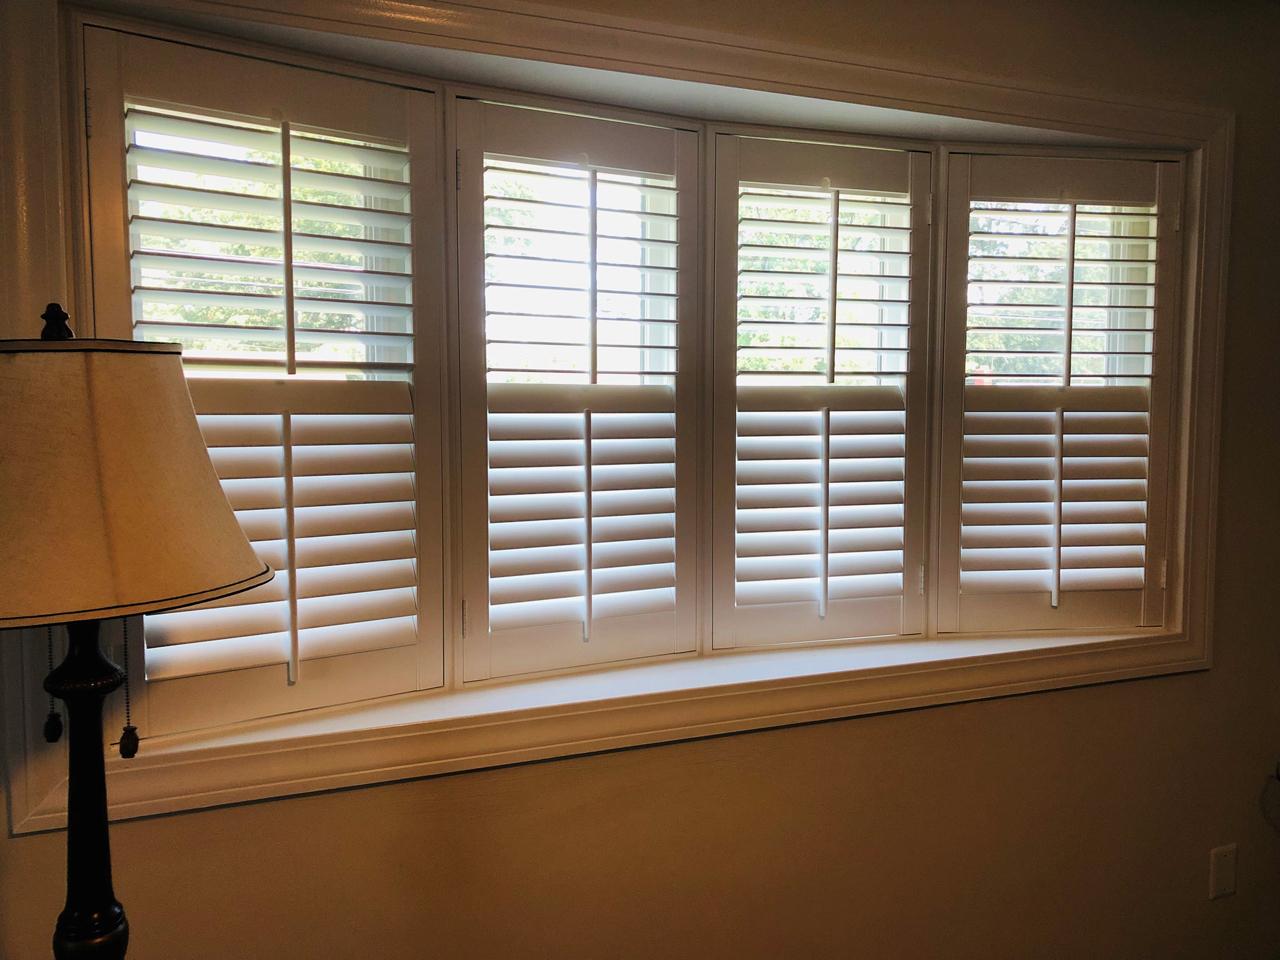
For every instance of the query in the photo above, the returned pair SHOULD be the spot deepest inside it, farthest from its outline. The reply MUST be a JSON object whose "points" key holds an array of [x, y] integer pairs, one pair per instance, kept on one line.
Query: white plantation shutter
{"points": [[819, 457], [207, 208], [576, 238], [327, 499], [278, 248], [1056, 463]]}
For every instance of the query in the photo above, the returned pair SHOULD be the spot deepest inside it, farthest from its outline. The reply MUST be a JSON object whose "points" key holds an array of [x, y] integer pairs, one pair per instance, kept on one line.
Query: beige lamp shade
{"points": [[109, 504]]}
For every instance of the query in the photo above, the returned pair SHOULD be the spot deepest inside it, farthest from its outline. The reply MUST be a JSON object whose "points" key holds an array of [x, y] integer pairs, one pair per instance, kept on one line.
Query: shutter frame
{"points": [[160, 75], [739, 159], [497, 648], [1092, 469]]}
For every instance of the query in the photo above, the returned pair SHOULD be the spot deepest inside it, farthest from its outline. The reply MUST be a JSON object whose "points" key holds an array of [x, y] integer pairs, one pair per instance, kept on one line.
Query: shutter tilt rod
{"points": [[291, 546], [824, 533], [588, 611], [1056, 588]]}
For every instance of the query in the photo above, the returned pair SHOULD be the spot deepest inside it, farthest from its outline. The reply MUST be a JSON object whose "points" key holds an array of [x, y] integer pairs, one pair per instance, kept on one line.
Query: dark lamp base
{"points": [[92, 924], [101, 936]]}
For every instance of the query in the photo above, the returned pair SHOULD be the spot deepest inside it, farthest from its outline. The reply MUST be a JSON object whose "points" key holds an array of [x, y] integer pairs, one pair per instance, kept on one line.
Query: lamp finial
{"points": [[55, 323]]}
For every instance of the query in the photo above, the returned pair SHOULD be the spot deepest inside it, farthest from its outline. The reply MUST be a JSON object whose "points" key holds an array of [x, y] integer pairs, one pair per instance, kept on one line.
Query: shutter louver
{"points": [[214, 269], [327, 499], [1057, 431], [582, 508], [823, 341], [287, 335]]}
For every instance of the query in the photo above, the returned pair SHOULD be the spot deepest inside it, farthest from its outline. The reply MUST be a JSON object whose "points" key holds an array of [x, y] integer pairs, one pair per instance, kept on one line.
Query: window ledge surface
{"points": [[423, 734]]}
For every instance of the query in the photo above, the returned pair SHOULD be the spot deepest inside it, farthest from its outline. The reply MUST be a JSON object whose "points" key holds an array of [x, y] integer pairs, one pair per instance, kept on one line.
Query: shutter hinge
{"points": [[1164, 574], [929, 210], [88, 113], [922, 579], [464, 619], [457, 170]]}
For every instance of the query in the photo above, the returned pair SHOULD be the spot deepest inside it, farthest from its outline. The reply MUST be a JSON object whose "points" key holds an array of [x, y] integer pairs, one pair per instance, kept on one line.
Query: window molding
{"points": [[416, 735], [532, 31], [498, 724]]}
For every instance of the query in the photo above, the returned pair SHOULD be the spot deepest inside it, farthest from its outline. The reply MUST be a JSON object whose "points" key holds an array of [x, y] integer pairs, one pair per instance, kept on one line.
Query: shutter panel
{"points": [[588, 555], [280, 256], [817, 338], [207, 207], [581, 511], [1061, 401], [327, 498]]}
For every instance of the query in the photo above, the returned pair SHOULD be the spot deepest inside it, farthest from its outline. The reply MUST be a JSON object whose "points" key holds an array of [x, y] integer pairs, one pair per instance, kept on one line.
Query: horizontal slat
{"points": [[190, 230], [350, 518], [356, 577], [645, 527], [348, 638], [250, 171], [1125, 578], [218, 656], [156, 260], [309, 211], [244, 462], [189, 297], [537, 506], [356, 488], [509, 616], [352, 429], [267, 208], [639, 577], [257, 138], [1099, 556], [832, 396], [379, 156], [540, 533], [382, 189], [634, 603], [356, 548], [572, 398], [1075, 398], [357, 607], [528, 588], [311, 243], [234, 395], [633, 551], [338, 459], [254, 493], [537, 560], [218, 623]]}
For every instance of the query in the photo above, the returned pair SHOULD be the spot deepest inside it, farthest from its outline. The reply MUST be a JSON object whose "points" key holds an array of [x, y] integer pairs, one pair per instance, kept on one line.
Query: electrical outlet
{"points": [[1222, 871]]}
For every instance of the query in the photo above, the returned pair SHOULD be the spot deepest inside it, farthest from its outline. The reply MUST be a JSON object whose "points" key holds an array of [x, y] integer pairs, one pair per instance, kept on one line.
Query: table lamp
{"points": [[109, 507]]}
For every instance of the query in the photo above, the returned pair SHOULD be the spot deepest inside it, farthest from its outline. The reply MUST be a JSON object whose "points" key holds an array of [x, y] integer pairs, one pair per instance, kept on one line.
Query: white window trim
{"points": [[560, 715], [503, 723]]}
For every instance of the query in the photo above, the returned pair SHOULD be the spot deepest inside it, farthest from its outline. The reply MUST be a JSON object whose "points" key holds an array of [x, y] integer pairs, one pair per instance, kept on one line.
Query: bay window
{"points": [[510, 390]]}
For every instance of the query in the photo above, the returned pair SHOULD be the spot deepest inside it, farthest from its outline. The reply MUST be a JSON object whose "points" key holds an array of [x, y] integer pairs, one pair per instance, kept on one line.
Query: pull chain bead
{"points": [[53, 722], [129, 735]]}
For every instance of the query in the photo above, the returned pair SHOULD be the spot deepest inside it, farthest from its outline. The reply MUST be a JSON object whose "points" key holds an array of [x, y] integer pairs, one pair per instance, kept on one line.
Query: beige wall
{"points": [[1063, 825]]}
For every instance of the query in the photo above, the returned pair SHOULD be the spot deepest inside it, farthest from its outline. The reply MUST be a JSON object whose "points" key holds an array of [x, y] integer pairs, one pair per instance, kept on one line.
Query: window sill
{"points": [[423, 734]]}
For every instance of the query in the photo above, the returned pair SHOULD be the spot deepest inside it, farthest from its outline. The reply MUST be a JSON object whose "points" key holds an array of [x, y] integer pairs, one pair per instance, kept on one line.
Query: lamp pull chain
{"points": [[53, 722], [129, 735]]}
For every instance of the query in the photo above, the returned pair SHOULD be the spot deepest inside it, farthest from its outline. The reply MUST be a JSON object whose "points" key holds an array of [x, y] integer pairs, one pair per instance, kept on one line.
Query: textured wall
{"points": [[1062, 825]]}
